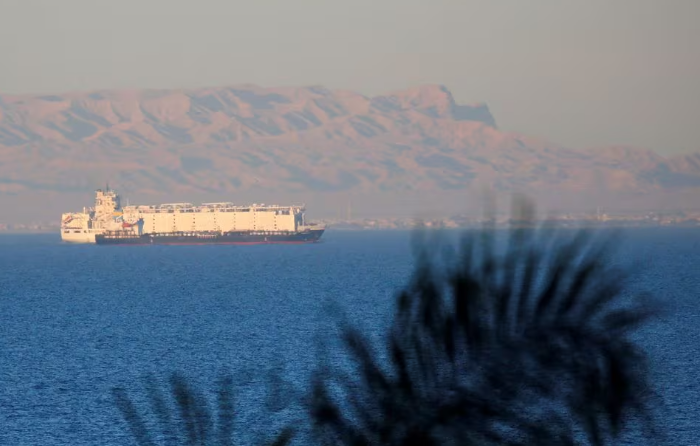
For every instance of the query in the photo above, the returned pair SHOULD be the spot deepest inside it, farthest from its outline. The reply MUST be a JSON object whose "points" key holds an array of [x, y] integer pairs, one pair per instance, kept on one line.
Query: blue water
{"points": [[76, 321]]}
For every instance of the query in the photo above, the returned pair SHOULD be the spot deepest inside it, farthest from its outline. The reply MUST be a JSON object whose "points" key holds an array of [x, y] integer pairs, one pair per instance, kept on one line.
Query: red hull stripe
{"points": [[210, 244]]}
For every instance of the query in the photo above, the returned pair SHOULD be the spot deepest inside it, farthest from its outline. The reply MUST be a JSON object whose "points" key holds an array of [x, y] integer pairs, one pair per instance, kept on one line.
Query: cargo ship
{"points": [[108, 223]]}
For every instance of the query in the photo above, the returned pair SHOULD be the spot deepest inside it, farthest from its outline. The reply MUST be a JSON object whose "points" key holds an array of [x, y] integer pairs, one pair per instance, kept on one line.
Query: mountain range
{"points": [[248, 142]]}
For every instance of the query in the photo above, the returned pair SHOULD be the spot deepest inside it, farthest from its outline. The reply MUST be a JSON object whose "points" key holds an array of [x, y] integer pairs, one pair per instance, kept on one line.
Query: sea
{"points": [[77, 321]]}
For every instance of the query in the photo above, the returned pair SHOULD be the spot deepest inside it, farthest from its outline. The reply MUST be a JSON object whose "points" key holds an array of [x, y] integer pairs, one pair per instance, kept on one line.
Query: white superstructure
{"points": [[81, 227], [108, 215]]}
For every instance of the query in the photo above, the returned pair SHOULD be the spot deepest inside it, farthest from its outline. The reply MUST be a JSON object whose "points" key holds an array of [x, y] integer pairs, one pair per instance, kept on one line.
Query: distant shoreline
{"points": [[37, 232], [471, 228]]}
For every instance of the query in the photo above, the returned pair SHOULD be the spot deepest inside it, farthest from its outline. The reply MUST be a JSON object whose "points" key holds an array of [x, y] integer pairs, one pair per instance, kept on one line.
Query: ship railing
{"points": [[221, 204], [311, 226], [176, 205], [153, 210], [188, 207]]}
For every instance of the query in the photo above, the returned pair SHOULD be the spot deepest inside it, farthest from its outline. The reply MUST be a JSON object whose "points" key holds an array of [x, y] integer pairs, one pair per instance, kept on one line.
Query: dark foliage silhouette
{"points": [[187, 419], [519, 337], [522, 341]]}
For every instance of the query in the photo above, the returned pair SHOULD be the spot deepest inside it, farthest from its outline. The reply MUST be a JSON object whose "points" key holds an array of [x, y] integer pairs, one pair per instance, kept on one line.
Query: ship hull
{"points": [[230, 238], [78, 237]]}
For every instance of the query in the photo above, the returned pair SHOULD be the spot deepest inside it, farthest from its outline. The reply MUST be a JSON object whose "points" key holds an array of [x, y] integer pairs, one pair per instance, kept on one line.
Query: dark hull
{"points": [[230, 238]]}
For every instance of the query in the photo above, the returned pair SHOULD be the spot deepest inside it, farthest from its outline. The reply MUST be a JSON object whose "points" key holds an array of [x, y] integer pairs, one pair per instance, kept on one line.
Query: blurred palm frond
{"points": [[519, 337], [185, 418]]}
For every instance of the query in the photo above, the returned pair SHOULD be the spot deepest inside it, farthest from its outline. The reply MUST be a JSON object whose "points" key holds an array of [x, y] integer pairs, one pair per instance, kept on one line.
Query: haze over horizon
{"points": [[583, 75]]}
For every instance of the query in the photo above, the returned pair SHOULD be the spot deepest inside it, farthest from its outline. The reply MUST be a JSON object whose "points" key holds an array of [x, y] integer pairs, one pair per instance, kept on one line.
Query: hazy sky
{"points": [[582, 73]]}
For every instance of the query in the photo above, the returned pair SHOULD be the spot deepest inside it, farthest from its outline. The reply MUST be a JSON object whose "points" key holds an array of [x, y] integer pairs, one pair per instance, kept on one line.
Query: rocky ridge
{"points": [[301, 140]]}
